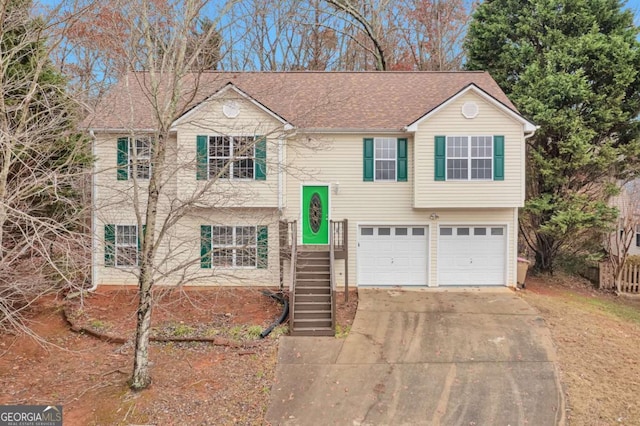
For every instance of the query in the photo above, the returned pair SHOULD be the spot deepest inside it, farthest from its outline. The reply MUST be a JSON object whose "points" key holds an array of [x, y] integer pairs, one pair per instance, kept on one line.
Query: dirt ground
{"points": [[193, 382], [597, 339]]}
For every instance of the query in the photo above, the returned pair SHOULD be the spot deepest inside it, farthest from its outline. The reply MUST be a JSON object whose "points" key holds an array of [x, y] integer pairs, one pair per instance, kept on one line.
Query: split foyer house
{"points": [[395, 179]]}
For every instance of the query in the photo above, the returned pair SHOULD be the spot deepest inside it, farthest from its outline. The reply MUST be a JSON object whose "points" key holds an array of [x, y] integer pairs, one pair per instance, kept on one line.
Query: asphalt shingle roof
{"points": [[307, 100]]}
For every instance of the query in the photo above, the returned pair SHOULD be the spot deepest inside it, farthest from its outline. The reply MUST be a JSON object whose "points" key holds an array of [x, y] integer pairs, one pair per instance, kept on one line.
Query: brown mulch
{"points": [[193, 382]]}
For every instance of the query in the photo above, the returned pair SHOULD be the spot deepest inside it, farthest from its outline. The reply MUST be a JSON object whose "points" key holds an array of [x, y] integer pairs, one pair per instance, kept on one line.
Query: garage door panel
{"points": [[471, 255], [392, 255]]}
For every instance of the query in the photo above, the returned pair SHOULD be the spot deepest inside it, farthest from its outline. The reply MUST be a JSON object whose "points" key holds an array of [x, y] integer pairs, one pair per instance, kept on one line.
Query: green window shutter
{"points": [[202, 158], [109, 245], [401, 155], [367, 174], [498, 158], [441, 157], [123, 158], [205, 246], [263, 247], [261, 158]]}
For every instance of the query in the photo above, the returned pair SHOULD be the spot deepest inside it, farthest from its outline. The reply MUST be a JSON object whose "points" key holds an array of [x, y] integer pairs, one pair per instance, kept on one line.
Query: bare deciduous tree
{"points": [[43, 163]]}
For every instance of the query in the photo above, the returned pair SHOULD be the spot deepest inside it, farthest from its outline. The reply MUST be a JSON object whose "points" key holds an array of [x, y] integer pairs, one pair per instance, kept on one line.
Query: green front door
{"points": [[315, 215]]}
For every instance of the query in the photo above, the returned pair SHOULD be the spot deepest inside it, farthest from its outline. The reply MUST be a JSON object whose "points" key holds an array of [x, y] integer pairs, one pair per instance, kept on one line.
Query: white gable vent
{"points": [[470, 109], [231, 109]]}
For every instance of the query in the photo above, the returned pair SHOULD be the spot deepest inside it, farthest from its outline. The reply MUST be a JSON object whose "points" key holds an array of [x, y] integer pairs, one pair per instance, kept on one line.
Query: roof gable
{"points": [[220, 93], [527, 125]]}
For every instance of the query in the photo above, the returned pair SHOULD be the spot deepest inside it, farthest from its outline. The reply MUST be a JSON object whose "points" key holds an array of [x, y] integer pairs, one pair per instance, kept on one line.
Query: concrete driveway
{"points": [[423, 357]]}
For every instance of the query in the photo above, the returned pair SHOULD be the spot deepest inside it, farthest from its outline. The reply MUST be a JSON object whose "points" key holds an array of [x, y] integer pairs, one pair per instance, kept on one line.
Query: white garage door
{"points": [[472, 255], [392, 255]]}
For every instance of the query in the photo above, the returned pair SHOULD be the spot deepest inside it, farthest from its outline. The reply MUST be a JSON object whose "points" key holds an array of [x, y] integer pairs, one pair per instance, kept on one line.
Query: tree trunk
{"points": [[544, 255], [141, 378]]}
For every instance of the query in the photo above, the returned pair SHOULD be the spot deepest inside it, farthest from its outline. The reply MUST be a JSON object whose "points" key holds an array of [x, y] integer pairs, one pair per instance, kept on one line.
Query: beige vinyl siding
{"points": [[115, 203], [449, 121], [209, 120], [181, 249], [375, 203]]}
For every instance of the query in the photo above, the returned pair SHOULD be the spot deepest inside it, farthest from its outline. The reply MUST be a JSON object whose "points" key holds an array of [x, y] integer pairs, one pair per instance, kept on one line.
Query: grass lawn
{"points": [[597, 339]]}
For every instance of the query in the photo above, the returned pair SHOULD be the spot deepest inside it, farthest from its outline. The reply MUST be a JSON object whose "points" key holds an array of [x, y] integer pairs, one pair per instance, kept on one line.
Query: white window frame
{"points": [[230, 160], [120, 229], [138, 162], [235, 247], [469, 157], [394, 144]]}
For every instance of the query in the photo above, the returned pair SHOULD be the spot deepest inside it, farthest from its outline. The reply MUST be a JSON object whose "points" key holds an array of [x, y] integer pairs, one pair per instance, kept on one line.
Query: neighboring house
{"points": [[628, 204], [426, 167]]}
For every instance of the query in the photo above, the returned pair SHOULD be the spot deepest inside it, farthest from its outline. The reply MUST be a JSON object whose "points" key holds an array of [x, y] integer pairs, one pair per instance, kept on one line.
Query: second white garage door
{"points": [[392, 255], [471, 255]]}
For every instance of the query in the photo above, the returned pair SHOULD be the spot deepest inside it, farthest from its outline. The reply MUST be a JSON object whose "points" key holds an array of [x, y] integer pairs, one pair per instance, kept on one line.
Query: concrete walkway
{"points": [[459, 357]]}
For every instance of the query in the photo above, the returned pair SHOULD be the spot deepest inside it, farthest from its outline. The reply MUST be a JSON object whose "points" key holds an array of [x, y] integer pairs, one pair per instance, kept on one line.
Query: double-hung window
{"points": [[126, 245], [233, 246], [385, 159], [231, 157], [134, 158], [140, 158], [469, 158], [121, 245]]}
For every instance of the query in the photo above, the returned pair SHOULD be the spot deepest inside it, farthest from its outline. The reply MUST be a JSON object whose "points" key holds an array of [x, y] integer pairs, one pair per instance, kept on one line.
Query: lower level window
{"points": [[126, 245], [233, 246], [121, 245]]}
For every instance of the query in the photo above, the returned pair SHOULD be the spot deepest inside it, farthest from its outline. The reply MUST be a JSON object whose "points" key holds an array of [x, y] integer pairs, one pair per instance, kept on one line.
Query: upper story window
{"points": [[140, 158], [134, 158], [469, 158], [385, 159], [231, 157]]}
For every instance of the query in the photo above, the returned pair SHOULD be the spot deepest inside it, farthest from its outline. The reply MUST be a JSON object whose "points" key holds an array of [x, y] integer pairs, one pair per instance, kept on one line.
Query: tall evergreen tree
{"points": [[573, 67], [42, 159]]}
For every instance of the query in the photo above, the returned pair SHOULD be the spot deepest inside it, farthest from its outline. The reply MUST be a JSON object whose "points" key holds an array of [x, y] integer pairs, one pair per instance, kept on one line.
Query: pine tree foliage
{"points": [[572, 67]]}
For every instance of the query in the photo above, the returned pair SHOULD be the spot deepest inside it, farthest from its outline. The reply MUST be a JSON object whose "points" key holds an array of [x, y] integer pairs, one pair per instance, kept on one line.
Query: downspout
{"points": [[280, 177], [516, 214], [94, 244]]}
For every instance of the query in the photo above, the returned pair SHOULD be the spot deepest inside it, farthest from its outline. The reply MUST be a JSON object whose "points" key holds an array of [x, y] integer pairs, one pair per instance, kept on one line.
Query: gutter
{"points": [[352, 130], [531, 133]]}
